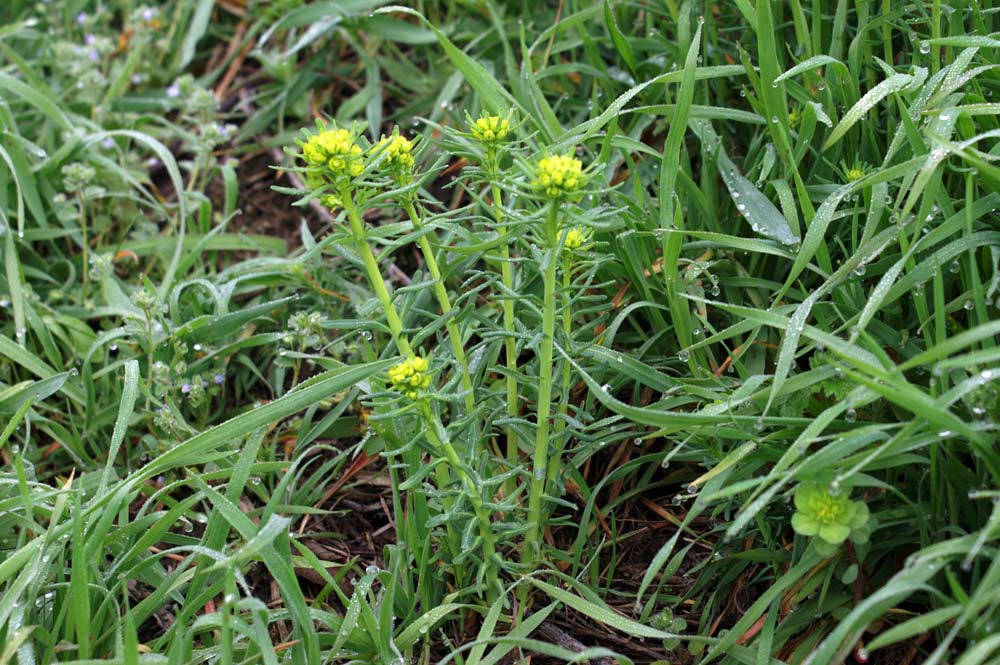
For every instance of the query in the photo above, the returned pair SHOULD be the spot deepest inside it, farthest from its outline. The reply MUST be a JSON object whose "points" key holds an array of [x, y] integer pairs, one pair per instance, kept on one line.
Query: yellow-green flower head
{"points": [[397, 150], [411, 377], [575, 238], [490, 129], [793, 118], [330, 201], [855, 173], [559, 176], [832, 517], [397, 157], [336, 150]]}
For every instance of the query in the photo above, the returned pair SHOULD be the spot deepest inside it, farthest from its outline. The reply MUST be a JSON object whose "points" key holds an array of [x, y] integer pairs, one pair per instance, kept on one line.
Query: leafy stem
{"points": [[510, 341], [454, 335], [438, 436], [540, 461], [374, 273]]}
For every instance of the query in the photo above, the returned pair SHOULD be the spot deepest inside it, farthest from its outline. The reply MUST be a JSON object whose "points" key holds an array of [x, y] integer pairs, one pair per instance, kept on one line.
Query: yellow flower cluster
{"points": [[559, 175], [411, 376], [575, 238], [490, 129], [336, 150], [330, 201], [856, 173], [397, 151]]}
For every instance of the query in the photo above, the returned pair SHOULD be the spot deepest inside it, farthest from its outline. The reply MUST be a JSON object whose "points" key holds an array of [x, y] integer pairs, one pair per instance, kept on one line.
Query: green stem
{"points": [[85, 244], [567, 377], [510, 342], [151, 352], [438, 437], [444, 302], [532, 540], [374, 274]]}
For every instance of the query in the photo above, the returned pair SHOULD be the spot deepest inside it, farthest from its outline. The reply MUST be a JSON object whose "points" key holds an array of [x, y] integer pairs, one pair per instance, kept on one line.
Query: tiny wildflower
{"points": [[575, 238], [855, 173], [219, 378], [397, 153], [411, 376], [793, 118], [490, 129], [397, 150], [559, 176], [832, 517], [335, 151], [331, 202]]}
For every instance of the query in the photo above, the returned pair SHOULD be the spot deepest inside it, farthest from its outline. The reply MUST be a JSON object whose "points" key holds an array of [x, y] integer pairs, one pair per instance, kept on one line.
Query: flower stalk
{"points": [[510, 341], [444, 302], [374, 273], [540, 461]]}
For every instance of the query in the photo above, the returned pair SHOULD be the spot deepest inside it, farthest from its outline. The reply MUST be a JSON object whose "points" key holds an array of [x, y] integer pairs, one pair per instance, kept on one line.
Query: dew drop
{"points": [[925, 47], [683, 355], [371, 570], [850, 415]]}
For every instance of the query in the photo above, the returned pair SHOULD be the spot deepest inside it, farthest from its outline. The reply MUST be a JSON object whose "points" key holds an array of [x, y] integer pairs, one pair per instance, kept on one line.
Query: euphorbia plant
{"points": [[352, 177]]}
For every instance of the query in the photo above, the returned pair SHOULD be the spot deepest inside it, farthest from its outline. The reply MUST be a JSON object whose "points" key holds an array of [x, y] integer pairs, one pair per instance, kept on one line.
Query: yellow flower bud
{"points": [[411, 376], [559, 176]]}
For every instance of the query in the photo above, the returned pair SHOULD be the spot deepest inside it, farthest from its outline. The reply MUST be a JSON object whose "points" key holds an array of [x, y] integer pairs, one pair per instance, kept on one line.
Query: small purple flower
{"points": [[108, 143], [219, 378], [136, 79], [204, 383], [186, 388], [93, 55], [89, 40], [148, 14], [173, 91], [81, 18]]}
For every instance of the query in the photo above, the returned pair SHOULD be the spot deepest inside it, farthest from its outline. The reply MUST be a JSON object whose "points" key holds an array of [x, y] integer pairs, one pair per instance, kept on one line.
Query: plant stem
{"points": [[532, 540], [374, 274], [444, 302], [85, 244], [510, 342], [438, 436], [567, 377]]}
